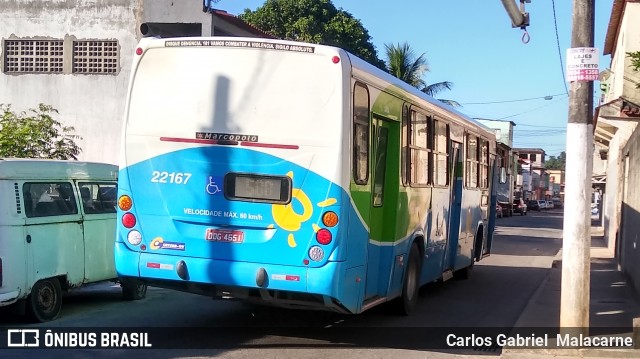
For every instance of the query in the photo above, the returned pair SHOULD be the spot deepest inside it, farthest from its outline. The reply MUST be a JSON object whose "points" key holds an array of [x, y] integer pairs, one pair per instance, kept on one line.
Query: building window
{"points": [[95, 57], [91, 57], [33, 56], [533, 157]]}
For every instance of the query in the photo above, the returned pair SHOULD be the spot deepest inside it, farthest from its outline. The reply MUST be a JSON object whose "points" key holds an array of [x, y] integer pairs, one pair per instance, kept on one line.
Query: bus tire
{"points": [[465, 273], [411, 283], [45, 300], [133, 289]]}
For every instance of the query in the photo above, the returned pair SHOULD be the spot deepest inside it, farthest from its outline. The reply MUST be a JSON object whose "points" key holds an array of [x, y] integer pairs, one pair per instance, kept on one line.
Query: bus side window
{"points": [[361, 134]]}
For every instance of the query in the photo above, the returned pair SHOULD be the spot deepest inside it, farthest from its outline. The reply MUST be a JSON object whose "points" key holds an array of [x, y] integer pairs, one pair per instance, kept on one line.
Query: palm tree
{"points": [[403, 64]]}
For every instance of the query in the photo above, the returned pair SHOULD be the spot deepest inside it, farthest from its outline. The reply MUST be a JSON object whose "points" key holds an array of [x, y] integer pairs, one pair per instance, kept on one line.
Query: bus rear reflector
{"points": [[129, 220], [330, 219], [323, 236], [125, 203]]}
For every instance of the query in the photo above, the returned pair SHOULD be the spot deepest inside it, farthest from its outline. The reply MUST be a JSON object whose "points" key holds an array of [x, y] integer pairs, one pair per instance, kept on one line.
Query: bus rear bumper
{"points": [[332, 286]]}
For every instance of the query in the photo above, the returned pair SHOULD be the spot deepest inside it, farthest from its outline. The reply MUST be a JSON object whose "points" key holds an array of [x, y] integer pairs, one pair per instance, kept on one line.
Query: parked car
{"points": [[520, 207], [57, 232], [506, 209], [550, 205], [542, 204], [557, 203], [533, 205]]}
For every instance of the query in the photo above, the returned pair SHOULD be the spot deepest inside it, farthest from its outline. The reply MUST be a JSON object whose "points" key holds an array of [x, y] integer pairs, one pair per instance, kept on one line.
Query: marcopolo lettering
{"points": [[226, 136]]}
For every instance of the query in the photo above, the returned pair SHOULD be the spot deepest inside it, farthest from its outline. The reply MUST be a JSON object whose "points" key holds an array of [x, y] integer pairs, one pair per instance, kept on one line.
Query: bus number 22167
{"points": [[170, 177]]}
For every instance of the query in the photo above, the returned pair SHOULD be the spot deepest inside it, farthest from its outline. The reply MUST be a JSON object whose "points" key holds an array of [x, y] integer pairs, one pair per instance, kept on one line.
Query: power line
{"points": [[533, 109], [555, 23], [548, 97], [524, 125]]}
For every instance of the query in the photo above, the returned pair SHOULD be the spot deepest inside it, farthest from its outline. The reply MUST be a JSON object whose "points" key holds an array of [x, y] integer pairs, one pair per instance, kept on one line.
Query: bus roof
{"points": [[387, 78], [287, 45], [28, 168]]}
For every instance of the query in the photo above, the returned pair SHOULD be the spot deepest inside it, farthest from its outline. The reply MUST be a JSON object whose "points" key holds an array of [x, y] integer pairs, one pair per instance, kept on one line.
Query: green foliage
{"points": [[635, 62], [314, 21], [403, 63], [556, 163], [36, 134]]}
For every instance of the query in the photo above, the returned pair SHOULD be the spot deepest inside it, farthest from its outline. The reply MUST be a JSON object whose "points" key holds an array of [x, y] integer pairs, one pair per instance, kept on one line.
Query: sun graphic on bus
{"points": [[288, 219]]}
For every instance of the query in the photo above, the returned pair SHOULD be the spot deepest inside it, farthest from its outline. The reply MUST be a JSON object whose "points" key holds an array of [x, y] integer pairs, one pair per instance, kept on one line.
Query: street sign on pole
{"points": [[582, 64]]}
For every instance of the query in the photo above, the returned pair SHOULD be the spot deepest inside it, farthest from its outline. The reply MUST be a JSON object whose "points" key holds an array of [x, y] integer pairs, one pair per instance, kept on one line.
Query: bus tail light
{"points": [[129, 220], [330, 219], [316, 253], [125, 203], [134, 238], [323, 236]]}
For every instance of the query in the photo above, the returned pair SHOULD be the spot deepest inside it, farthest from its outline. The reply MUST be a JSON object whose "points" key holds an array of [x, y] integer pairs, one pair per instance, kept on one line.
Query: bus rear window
{"points": [[257, 188]]}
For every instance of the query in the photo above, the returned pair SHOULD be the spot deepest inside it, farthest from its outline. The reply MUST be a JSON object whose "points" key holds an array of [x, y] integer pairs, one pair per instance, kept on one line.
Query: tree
{"points": [[635, 62], [556, 163], [314, 21], [403, 63], [36, 134]]}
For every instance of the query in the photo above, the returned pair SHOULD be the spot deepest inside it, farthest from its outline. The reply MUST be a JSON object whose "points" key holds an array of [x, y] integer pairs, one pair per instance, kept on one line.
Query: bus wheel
{"points": [[133, 289], [465, 273], [45, 301], [409, 299]]}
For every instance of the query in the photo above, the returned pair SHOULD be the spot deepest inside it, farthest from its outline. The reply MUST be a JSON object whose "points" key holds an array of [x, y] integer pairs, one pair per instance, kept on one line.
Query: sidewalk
{"points": [[613, 307]]}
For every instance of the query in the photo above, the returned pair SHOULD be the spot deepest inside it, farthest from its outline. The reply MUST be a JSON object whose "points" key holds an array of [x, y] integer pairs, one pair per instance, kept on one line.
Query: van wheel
{"points": [[45, 301], [133, 289], [409, 300]]}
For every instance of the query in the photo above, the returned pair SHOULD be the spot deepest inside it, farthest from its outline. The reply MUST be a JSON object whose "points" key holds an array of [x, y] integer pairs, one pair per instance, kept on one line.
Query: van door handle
{"points": [[28, 238]]}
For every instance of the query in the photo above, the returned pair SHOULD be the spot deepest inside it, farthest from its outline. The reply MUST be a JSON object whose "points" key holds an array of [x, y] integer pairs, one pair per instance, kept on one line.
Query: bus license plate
{"points": [[224, 235]]}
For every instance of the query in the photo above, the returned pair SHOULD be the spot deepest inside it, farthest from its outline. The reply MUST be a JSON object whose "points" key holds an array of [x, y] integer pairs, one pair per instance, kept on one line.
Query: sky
{"points": [[471, 43]]}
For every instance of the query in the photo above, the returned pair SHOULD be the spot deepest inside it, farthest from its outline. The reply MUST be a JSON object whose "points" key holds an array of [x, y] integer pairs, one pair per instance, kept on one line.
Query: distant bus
{"points": [[296, 175]]}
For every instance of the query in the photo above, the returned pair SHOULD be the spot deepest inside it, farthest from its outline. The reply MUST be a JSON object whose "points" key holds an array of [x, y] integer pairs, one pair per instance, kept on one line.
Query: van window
{"points": [[98, 197], [45, 199]]}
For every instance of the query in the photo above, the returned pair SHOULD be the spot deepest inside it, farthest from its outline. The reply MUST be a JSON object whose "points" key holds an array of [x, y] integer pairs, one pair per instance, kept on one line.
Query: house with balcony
{"points": [[617, 138], [76, 56], [535, 179]]}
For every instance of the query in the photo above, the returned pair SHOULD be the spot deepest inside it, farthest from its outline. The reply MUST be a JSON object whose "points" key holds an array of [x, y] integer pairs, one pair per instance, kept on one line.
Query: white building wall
{"points": [[93, 104], [624, 78]]}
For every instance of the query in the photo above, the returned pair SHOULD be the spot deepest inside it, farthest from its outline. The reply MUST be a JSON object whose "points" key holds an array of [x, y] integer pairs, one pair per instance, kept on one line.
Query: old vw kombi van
{"points": [[57, 229]]}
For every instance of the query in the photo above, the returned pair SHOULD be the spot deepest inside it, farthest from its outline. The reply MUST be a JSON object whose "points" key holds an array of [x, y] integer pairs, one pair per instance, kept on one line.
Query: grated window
{"points": [[16, 189], [33, 56], [95, 57]]}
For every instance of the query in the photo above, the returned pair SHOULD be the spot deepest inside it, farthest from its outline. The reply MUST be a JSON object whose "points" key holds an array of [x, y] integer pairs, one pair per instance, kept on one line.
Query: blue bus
{"points": [[296, 175]]}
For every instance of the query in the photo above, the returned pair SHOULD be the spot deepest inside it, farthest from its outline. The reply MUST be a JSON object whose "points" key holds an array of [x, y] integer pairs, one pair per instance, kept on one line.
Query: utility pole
{"points": [[576, 239]]}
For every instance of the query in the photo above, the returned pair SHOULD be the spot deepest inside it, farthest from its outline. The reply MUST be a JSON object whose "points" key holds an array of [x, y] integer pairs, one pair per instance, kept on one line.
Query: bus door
{"points": [[384, 199], [455, 205]]}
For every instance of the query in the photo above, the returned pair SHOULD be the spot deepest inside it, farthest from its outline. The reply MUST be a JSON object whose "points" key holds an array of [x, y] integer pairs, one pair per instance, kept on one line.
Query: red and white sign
{"points": [[582, 64]]}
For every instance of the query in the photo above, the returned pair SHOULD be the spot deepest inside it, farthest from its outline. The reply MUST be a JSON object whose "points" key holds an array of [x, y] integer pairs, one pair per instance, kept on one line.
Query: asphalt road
{"points": [[496, 294]]}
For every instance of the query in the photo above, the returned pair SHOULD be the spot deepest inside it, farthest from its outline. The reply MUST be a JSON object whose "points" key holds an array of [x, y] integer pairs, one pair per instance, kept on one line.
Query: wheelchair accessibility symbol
{"points": [[212, 187]]}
